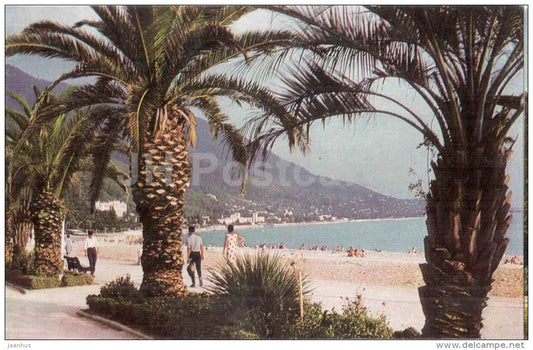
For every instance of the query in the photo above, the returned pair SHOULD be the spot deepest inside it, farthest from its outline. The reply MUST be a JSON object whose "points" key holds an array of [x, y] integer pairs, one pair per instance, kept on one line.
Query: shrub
{"points": [[122, 287], [310, 327], [263, 290], [197, 316], [21, 264], [37, 282], [225, 316], [73, 278], [354, 322], [408, 333]]}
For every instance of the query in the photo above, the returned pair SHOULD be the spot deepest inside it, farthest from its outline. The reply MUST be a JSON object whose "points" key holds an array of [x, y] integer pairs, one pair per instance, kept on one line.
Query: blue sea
{"points": [[396, 235]]}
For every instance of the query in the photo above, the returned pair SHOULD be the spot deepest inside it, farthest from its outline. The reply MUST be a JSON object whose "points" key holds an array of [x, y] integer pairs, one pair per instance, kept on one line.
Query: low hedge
{"points": [[69, 279], [73, 278], [204, 316], [215, 316], [37, 282], [20, 272], [196, 316], [208, 316]]}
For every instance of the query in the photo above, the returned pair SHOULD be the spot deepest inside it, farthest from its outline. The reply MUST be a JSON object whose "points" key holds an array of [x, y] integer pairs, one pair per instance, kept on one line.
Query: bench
{"points": [[74, 264]]}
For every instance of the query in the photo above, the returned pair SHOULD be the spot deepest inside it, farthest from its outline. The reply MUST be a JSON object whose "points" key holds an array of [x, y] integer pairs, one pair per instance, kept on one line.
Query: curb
{"points": [[114, 325]]}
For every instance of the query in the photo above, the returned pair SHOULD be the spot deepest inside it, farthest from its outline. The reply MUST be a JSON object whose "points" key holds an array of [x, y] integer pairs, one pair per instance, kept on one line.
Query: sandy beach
{"points": [[387, 283], [378, 269]]}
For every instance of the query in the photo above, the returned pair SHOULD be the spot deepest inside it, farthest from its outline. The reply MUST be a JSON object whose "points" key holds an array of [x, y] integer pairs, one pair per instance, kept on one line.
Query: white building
{"points": [[236, 217], [119, 207]]}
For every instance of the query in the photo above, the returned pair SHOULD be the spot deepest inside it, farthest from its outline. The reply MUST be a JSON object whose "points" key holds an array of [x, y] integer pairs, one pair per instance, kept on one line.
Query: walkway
{"points": [[51, 313]]}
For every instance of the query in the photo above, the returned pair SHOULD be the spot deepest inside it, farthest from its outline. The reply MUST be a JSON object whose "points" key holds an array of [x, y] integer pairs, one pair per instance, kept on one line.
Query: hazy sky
{"points": [[375, 153]]}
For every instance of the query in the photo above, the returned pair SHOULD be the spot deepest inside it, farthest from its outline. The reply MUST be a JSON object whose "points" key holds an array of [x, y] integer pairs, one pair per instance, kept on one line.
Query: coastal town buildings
{"points": [[236, 218], [119, 207]]}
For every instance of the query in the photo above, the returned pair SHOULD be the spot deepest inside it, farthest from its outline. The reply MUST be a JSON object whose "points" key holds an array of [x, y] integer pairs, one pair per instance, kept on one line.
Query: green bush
{"points": [[73, 278], [197, 316], [21, 264], [408, 333], [20, 272], [310, 327], [215, 316], [37, 282], [263, 290], [354, 322], [122, 287]]}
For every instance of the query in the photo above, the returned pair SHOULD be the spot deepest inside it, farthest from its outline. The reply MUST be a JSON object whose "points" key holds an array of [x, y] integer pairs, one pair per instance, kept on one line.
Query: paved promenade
{"points": [[52, 313]]}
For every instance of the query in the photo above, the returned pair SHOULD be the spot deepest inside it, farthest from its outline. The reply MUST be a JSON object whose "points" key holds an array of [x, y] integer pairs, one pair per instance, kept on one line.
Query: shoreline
{"points": [[215, 228], [221, 227], [115, 236], [379, 269]]}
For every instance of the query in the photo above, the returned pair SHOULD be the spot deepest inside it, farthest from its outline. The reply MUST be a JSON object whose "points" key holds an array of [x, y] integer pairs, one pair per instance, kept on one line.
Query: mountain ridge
{"points": [[279, 189]]}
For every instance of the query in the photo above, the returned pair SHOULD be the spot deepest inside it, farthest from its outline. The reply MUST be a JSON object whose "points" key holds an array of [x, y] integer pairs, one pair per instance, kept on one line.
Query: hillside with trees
{"points": [[278, 190]]}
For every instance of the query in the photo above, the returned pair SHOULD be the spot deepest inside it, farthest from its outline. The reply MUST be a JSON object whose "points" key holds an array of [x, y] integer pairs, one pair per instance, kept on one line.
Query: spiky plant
{"points": [[152, 60], [460, 62], [262, 286]]}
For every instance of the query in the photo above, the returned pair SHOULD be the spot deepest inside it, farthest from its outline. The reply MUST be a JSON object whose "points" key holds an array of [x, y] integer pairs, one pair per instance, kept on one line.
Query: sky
{"points": [[376, 153]]}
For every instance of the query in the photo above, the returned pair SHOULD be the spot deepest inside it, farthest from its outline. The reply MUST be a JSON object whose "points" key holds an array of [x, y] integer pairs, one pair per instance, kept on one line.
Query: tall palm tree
{"points": [[18, 223], [151, 61], [43, 159], [459, 61]]}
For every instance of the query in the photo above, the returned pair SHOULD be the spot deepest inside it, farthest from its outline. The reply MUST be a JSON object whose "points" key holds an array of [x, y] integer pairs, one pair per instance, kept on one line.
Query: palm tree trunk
{"points": [[8, 239], [21, 227], [46, 211], [18, 228], [159, 194], [467, 219]]}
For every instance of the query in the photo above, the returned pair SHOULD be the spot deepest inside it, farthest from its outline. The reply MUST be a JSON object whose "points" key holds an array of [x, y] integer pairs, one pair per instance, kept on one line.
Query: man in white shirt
{"points": [[195, 254], [91, 250]]}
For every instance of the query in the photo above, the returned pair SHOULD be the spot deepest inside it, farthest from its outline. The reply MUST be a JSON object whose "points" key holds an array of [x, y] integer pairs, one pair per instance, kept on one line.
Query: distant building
{"points": [[205, 219], [119, 207], [237, 218], [212, 196]]}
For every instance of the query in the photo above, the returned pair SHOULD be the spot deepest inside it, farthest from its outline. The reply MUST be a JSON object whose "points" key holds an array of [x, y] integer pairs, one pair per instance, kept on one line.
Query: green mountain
{"points": [[277, 190]]}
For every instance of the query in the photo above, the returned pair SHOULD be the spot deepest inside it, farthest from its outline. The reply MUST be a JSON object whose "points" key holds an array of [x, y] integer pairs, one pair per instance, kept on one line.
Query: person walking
{"points": [[68, 245], [195, 254], [91, 250], [230, 245]]}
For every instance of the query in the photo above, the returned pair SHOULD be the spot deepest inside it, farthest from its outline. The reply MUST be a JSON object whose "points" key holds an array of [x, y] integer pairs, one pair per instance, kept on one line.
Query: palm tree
{"points": [[459, 62], [151, 61], [43, 159], [18, 223]]}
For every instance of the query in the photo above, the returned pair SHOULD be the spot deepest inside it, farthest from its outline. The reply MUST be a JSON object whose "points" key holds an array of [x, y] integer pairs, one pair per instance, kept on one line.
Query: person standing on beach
{"points": [[91, 250], [230, 245], [195, 254]]}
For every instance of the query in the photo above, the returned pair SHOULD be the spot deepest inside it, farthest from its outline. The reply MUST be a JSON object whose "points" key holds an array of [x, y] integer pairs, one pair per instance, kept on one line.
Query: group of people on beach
{"points": [[323, 248], [352, 252], [515, 260]]}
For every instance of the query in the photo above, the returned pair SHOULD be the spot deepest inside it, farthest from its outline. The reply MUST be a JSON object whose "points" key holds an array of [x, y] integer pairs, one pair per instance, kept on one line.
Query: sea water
{"points": [[394, 235]]}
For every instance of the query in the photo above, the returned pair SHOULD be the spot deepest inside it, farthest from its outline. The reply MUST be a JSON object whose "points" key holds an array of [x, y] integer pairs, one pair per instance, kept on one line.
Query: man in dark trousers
{"points": [[195, 254], [91, 250]]}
